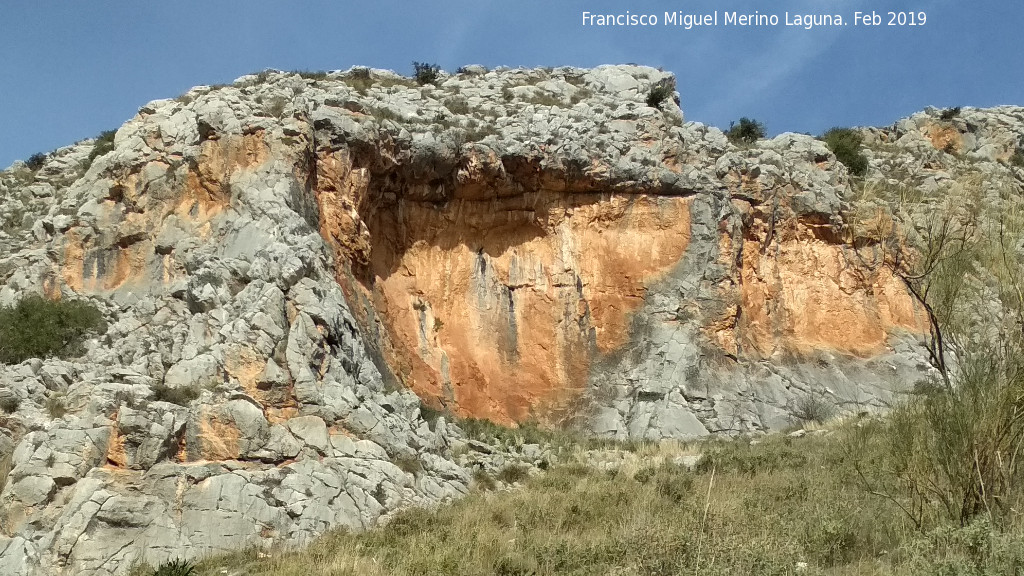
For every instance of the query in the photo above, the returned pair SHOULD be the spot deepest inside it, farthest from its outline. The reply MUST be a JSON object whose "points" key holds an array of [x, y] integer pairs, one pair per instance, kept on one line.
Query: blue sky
{"points": [[69, 70]]}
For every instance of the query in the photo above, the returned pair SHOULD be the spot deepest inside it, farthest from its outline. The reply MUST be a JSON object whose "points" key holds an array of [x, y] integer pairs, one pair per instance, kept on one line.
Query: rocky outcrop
{"points": [[231, 400], [290, 265]]}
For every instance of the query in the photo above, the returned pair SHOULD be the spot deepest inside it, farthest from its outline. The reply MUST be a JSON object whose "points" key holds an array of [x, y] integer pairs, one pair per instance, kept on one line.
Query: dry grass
{"points": [[363, 79], [782, 506], [5, 469]]}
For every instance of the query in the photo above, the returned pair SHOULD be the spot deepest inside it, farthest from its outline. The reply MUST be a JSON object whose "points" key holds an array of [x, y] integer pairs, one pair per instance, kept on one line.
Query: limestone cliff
{"points": [[291, 264]]}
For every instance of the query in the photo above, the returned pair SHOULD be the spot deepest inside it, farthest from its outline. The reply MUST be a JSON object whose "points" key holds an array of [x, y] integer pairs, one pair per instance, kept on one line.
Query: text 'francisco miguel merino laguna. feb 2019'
{"points": [[688, 21]]}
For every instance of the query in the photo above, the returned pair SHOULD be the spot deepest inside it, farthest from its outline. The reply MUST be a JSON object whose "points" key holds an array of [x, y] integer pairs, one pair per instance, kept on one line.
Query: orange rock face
{"points": [[129, 218], [806, 296], [218, 438], [494, 300], [944, 137], [502, 322], [493, 293], [115, 449], [494, 306]]}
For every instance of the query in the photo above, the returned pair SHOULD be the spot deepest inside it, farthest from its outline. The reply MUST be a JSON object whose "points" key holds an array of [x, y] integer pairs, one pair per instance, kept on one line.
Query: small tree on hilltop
{"points": [[36, 161], [747, 131], [661, 91], [845, 143], [425, 73]]}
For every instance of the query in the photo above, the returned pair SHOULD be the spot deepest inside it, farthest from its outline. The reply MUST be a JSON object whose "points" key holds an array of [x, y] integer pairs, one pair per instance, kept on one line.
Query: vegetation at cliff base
{"points": [[176, 568], [957, 441], [38, 328], [778, 506], [845, 143]]}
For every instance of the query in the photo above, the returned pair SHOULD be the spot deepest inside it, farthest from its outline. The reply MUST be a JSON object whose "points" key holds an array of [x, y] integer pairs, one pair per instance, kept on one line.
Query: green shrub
{"points": [[312, 74], [275, 106], [747, 131], [457, 105], [55, 406], [409, 464], [644, 475], [661, 91], [104, 144], [383, 114], [426, 73], [951, 451], [14, 222], [430, 414], [531, 432], [527, 432], [544, 99], [1018, 158], [359, 78], [674, 484], [581, 95], [39, 328], [182, 395], [477, 131], [513, 473], [360, 73], [845, 143], [35, 161], [483, 480], [175, 568], [949, 113], [813, 408], [747, 459], [974, 549], [9, 404], [514, 565], [953, 446], [409, 522], [671, 481]]}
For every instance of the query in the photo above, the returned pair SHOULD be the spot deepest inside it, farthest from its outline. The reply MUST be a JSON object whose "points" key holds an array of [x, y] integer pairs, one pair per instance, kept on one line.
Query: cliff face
{"points": [[513, 280], [507, 278], [508, 304], [291, 265], [495, 305]]}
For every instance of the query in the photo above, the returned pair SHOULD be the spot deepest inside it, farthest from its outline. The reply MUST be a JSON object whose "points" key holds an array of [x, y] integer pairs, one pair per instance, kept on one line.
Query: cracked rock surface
{"points": [[290, 265]]}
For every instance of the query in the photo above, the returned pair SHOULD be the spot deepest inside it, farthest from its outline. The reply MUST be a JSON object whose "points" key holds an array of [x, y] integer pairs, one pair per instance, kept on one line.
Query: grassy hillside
{"points": [[781, 505]]}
